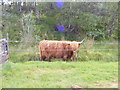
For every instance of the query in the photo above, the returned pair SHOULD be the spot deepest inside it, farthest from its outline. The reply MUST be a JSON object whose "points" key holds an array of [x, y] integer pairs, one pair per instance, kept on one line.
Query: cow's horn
{"points": [[82, 41]]}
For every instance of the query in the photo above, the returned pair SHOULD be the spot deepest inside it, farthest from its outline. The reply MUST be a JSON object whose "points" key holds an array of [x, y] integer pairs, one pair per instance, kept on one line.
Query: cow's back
{"points": [[51, 48]]}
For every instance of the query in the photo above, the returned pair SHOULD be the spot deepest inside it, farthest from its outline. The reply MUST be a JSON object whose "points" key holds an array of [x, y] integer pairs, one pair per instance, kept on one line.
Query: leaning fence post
{"points": [[7, 46], [4, 57]]}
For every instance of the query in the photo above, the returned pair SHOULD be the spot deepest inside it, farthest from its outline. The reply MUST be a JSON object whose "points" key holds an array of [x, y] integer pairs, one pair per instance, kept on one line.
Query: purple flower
{"points": [[59, 3], [61, 28]]}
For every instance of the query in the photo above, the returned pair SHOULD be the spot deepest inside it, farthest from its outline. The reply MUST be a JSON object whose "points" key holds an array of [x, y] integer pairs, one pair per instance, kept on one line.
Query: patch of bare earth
{"points": [[108, 85]]}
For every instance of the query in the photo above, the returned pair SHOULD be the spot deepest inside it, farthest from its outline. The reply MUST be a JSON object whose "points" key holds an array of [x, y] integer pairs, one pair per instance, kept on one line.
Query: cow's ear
{"points": [[68, 43], [79, 44]]}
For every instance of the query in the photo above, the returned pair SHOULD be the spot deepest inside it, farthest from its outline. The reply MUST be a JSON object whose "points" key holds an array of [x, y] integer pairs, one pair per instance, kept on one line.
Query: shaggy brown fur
{"points": [[57, 49]]}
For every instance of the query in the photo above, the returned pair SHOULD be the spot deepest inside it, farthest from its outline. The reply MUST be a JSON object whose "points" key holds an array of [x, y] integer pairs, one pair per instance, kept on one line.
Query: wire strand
{"points": [[39, 42]]}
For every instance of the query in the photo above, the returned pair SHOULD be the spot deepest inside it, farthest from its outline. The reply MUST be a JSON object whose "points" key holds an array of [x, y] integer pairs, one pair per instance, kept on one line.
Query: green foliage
{"points": [[97, 20], [11, 25]]}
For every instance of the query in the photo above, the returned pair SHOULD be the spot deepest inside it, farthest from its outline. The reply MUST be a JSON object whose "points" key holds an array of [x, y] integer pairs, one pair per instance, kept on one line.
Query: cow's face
{"points": [[74, 46]]}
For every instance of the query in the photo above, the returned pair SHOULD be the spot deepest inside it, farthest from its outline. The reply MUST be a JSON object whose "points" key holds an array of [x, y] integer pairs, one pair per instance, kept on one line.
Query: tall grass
{"points": [[103, 51], [87, 52]]}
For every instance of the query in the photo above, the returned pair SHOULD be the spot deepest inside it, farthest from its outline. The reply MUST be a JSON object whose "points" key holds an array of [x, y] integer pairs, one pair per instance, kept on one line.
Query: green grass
{"points": [[93, 51], [59, 74], [83, 55], [93, 69]]}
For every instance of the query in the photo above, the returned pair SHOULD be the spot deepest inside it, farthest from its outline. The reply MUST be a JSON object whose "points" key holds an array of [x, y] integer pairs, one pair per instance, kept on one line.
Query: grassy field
{"points": [[59, 74], [94, 68]]}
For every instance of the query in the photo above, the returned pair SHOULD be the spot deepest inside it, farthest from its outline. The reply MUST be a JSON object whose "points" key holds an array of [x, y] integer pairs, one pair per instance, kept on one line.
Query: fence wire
{"points": [[39, 42], [65, 50], [20, 50]]}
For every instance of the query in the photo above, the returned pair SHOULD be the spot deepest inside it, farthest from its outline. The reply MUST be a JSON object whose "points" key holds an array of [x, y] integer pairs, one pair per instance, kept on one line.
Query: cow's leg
{"points": [[41, 56], [64, 58], [48, 58], [76, 57], [71, 58], [71, 55]]}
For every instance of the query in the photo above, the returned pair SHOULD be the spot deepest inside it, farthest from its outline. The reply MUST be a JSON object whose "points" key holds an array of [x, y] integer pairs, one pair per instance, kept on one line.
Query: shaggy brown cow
{"points": [[58, 49]]}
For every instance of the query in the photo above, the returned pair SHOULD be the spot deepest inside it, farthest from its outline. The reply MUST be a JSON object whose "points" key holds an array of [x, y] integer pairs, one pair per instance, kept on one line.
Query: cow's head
{"points": [[74, 45]]}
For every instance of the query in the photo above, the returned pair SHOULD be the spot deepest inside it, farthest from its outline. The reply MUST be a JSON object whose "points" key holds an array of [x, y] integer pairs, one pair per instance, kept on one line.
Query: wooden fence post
{"points": [[4, 57], [7, 43]]}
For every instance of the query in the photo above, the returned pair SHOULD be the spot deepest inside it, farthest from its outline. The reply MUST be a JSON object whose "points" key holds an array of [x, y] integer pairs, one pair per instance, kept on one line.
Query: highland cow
{"points": [[58, 49]]}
